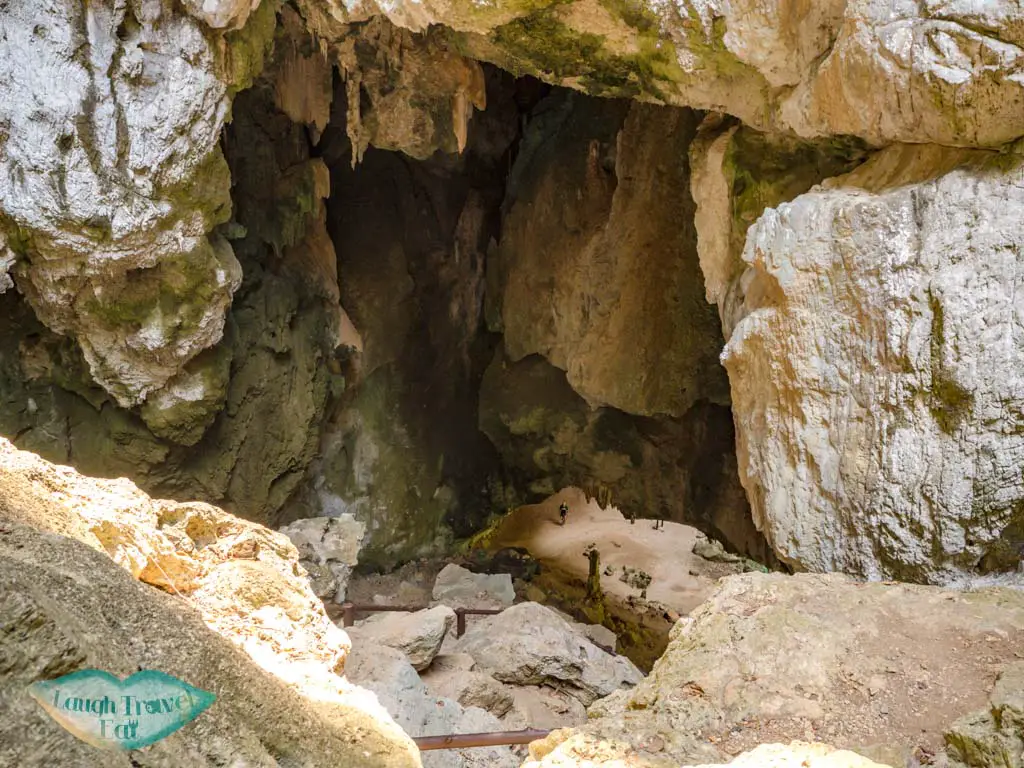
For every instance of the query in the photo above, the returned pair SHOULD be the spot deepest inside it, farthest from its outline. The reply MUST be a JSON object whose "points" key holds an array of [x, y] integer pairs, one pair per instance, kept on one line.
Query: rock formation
{"points": [[885, 445], [232, 614], [315, 258], [884, 670]]}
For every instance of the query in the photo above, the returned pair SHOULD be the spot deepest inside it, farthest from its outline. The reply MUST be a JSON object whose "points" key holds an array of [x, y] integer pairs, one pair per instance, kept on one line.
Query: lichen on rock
{"points": [[873, 377]]}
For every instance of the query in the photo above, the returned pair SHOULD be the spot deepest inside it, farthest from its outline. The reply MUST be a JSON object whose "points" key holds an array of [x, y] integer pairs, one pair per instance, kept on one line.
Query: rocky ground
{"points": [[905, 675], [526, 667]]}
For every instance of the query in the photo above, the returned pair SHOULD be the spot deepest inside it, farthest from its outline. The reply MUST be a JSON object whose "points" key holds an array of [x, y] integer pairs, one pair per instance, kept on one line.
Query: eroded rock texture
{"points": [[883, 670], [228, 611], [943, 72], [610, 379], [875, 370], [111, 180]]}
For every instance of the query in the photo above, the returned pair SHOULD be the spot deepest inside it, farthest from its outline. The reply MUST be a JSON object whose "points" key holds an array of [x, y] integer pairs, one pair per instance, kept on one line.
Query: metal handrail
{"points": [[464, 740]]}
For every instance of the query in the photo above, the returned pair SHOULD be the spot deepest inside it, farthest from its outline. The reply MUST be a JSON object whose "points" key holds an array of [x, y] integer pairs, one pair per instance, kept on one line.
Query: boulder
{"points": [[529, 644], [800, 755], [328, 550], [67, 606], [243, 579], [993, 737], [551, 753], [544, 708], [885, 670], [388, 673], [460, 588], [451, 678], [418, 635], [889, 290]]}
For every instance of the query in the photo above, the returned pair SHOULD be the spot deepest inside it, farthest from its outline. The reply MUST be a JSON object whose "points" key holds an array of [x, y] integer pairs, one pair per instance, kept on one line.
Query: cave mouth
{"points": [[469, 318], [460, 390]]}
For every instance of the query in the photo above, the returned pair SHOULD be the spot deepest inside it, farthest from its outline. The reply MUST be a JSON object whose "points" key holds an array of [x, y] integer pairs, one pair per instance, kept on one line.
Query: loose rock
{"points": [[460, 588], [418, 635]]}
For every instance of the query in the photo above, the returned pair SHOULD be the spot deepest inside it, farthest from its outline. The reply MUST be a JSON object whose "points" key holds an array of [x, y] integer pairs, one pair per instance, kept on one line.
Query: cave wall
{"points": [[401, 449], [213, 312], [243, 426], [609, 377]]}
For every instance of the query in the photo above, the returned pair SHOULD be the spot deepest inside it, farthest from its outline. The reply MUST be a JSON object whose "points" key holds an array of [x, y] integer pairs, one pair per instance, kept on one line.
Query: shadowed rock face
{"points": [[597, 275]]}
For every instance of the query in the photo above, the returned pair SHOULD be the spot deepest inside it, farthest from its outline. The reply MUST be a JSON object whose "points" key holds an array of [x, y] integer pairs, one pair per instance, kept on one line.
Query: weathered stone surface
{"points": [[936, 71], [737, 172], [221, 13], [529, 644], [865, 666], [875, 374], [387, 673], [800, 755], [458, 587], [676, 469], [598, 257], [795, 755], [238, 578], [328, 550], [274, 369], [993, 736], [401, 450], [242, 578], [113, 180], [65, 606], [418, 635], [469, 688]]}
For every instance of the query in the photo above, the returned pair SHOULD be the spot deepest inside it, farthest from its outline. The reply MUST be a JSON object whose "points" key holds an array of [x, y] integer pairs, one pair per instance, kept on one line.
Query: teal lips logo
{"points": [[106, 712]]}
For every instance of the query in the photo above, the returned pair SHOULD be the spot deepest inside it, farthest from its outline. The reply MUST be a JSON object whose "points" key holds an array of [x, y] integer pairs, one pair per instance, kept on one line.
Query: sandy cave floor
{"points": [[681, 580]]}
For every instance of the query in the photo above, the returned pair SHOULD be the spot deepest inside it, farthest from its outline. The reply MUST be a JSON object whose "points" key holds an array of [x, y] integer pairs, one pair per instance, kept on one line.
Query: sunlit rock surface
{"points": [[883, 670], [875, 371], [233, 615], [111, 178], [943, 72]]}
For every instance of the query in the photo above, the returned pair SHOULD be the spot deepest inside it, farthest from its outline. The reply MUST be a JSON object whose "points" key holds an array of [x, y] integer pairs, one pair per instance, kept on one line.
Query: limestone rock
{"points": [[875, 375], [275, 367], [713, 550], [528, 644], [736, 173], [221, 13], [678, 469], [993, 736], [794, 755], [418, 635], [112, 182], [65, 607], [598, 266], [388, 673], [543, 708], [450, 677], [906, 71], [458, 587], [867, 665], [800, 755], [328, 550], [242, 579]]}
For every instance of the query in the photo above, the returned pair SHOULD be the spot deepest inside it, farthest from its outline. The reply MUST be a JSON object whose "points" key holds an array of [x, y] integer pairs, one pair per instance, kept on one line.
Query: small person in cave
{"points": [[563, 512]]}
